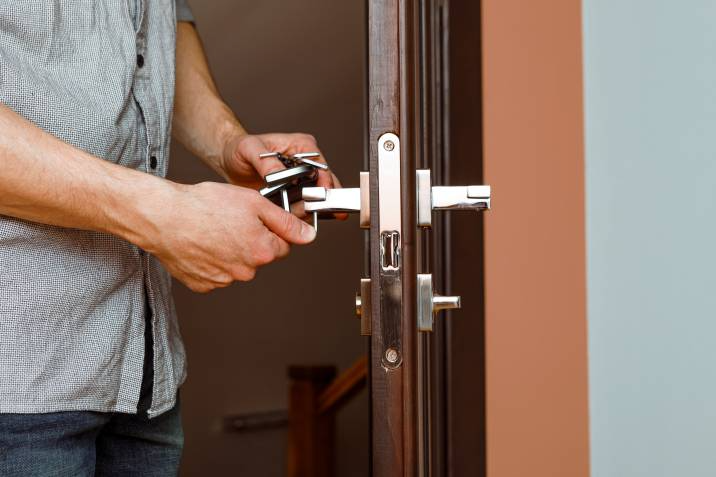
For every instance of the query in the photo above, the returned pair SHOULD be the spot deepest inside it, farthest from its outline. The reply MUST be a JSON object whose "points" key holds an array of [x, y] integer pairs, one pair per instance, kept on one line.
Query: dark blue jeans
{"points": [[81, 444], [69, 444]]}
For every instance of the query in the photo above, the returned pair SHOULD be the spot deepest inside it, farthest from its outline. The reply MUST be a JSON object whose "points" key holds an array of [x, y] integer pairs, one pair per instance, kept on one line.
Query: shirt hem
{"points": [[35, 408], [168, 405]]}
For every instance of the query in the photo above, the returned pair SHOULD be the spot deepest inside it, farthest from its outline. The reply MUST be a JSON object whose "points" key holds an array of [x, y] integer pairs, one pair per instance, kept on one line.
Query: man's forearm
{"points": [[45, 180], [203, 123]]}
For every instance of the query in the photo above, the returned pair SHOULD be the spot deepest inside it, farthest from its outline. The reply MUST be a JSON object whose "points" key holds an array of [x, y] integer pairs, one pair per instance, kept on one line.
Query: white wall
{"points": [[650, 72]]}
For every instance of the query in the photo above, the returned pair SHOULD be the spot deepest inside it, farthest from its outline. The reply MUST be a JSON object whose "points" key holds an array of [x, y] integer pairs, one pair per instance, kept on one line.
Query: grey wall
{"points": [[650, 71], [283, 66]]}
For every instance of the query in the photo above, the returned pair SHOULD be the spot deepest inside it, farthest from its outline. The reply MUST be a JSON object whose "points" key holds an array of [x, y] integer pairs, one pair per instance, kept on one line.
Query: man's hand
{"points": [[242, 165], [207, 235], [215, 234], [208, 128]]}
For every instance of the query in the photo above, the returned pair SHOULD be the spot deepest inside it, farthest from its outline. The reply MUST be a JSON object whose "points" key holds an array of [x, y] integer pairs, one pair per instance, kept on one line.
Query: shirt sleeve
{"points": [[184, 13]]}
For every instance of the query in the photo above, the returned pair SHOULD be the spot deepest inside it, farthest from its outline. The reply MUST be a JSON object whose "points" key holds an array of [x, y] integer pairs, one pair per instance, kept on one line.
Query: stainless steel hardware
{"points": [[306, 158], [363, 304], [284, 176], [431, 197], [319, 200], [429, 303], [390, 250], [300, 158], [283, 187], [389, 280]]}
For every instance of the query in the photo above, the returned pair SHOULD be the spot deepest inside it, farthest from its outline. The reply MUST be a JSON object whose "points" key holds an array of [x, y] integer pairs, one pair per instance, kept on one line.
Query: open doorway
{"points": [[282, 66], [301, 66]]}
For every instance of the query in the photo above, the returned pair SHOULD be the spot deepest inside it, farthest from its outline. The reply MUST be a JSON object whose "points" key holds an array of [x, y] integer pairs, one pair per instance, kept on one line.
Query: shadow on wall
{"points": [[283, 66]]}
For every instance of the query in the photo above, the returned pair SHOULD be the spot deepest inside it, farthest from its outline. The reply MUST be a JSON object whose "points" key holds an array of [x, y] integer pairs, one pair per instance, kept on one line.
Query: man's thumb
{"points": [[286, 225]]}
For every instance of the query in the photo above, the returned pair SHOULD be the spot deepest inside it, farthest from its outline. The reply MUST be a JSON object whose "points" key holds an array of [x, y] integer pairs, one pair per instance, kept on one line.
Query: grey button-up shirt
{"points": [[98, 74]]}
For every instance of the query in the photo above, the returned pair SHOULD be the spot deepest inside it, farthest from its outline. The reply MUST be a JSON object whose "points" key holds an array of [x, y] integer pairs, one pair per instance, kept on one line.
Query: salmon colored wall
{"points": [[537, 410]]}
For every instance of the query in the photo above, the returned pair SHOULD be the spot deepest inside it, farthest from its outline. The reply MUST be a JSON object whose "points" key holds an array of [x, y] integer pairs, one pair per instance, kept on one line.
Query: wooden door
{"points": [[393, 367], [415, 413]]}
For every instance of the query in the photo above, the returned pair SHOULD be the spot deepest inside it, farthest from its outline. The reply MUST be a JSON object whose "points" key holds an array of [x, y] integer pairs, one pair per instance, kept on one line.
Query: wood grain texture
{"points": [[311, 435], [383, 116], [411, 91], [390, 24]]}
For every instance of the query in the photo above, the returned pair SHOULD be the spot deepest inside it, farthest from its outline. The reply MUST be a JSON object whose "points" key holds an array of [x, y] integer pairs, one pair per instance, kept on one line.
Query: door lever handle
{"points": [[461, 197], [429, 197], [319, 200]]}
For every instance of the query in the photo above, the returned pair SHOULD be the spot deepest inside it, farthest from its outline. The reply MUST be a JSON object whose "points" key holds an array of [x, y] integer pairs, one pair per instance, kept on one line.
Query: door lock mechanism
{"points": [[429, 303], [319, 200]]}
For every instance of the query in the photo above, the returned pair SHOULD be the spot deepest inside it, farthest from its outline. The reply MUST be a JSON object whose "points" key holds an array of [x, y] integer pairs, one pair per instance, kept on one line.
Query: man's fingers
{"points": [[280, 246], [286, 225], [266, 165], [326, 179], [252, 149], [299, 210], [296, 143], [292, 143]]}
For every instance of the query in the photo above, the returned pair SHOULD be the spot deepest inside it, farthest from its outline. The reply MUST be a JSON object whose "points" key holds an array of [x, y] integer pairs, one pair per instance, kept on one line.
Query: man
{"points": [[90, 353]]}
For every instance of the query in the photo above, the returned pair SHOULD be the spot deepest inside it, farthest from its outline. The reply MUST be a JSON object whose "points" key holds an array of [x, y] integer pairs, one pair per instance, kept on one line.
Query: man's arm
{"points": [[206, 126], [201, 239], [43, 179]]}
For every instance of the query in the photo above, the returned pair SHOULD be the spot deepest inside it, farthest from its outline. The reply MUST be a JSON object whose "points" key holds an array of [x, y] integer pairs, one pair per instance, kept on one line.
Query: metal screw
{"points": [[391, 355], [389, 146]]}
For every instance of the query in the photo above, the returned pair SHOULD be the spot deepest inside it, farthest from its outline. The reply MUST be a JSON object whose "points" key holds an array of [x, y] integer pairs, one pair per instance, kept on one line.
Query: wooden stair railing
{"points": [[314, 399], [315, 396]]}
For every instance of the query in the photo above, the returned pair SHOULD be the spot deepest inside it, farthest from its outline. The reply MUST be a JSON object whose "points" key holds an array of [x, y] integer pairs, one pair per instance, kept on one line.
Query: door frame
{"points": [[422, 411], [391, 80]]}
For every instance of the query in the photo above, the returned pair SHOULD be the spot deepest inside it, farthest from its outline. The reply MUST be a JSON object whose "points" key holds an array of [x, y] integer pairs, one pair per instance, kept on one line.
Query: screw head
{"points": [[391, 355], [389, 146]]}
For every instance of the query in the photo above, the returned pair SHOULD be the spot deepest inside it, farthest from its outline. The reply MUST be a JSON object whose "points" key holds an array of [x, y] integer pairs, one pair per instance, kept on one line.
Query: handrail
{"points": [[314, 399], [344, 387], [256, 421]]}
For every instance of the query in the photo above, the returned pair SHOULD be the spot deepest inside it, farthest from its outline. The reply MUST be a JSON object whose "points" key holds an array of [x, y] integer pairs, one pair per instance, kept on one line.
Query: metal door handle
{"points": [[319, 200], [429, 302], [429, 197]]}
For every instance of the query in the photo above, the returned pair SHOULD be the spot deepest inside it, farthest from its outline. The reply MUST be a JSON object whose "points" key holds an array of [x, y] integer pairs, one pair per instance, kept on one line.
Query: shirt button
{"points": [[140, 60], [153, 162]]}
